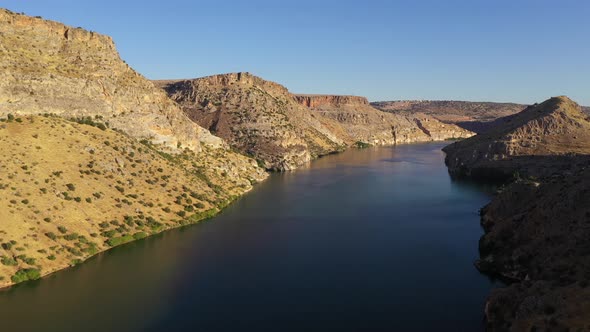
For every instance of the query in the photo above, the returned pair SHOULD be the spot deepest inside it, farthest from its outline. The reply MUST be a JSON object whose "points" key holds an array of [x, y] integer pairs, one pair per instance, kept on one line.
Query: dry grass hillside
{"points": [[71, 190]]}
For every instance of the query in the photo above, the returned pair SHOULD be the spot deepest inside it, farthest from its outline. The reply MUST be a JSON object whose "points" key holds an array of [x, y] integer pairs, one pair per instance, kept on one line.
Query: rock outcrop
{"points": [[555, 131], [368, 125], [474, 116], [258, 118], [49, 67], [536, 228]]}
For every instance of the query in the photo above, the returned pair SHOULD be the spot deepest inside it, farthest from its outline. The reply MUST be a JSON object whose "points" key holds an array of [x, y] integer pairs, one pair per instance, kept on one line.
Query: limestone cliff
{"points": [[369, 125], [49, 67], [259, 118], [557, 128]]}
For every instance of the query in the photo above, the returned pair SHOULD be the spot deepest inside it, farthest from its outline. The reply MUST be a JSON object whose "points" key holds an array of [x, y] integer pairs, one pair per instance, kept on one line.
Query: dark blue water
{"points": [[368, 240]]}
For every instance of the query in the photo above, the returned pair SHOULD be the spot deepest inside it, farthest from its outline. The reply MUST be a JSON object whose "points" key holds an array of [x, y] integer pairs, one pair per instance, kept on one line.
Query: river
{"points": [[378, 239]]}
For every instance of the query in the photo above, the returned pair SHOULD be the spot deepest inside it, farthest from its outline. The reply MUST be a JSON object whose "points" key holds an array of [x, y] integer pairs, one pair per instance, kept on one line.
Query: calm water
{"points": [[367, 240]]}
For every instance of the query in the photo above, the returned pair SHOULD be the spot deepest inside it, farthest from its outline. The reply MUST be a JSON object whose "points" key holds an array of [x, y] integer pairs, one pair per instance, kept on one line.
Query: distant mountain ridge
{"points": [[474, 116]]}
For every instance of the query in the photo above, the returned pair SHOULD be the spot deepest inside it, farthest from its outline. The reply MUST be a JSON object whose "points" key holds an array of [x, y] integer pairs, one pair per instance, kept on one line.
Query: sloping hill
{"points": [[69, 191], [536, 229], [556, 127]]}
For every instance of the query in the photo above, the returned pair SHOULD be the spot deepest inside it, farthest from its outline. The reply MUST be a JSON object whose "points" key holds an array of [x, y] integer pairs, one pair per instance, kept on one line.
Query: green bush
{"points": [[51, 235], [115, 241], [62, 229], [8, 261], [139, 235], [71, 237], [25, 275]]}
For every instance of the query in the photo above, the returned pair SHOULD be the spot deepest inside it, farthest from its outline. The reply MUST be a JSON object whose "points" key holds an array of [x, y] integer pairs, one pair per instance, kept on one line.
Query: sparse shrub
{"points": [[8, 261], [62, 229], [51, 235], [25, 275]]}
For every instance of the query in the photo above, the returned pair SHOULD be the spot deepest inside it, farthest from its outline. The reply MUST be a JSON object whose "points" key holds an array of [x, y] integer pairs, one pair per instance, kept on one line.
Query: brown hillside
{"points": [[69, 191], [556, 127]]}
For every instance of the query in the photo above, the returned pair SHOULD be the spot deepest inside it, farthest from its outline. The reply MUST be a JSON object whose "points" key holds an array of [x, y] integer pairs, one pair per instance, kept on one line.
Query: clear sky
{"points": [[497, 50]]}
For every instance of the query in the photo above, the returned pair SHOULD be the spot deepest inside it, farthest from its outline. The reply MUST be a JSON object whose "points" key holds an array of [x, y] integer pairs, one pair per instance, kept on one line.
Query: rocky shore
{"points": [[536, 228]]}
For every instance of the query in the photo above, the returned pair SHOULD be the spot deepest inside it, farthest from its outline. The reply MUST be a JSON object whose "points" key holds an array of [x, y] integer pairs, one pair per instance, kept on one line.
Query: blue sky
{"points": [[500, 50]]}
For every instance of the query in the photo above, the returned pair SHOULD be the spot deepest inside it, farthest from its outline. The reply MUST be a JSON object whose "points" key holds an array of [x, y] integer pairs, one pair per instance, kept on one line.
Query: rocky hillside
{"points": [[258, 118], [284, 131], [556, 128], [536, 239], [473, 116], [70, 190], [49, 67], [366, 124], [536, 229]]}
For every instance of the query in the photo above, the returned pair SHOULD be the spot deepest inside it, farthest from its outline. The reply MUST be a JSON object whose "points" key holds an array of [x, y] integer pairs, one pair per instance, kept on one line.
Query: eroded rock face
{"points": [[285, 131], [556, 131], [368, 125], [49, 67], [259, 118]]}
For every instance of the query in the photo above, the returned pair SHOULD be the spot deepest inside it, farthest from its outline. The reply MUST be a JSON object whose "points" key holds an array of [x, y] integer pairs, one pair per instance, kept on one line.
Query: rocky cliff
{"points": [[284, 131], [49, 67], [259, 118], [554, 128], [368, 125], [535, 228]]}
